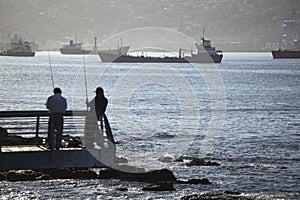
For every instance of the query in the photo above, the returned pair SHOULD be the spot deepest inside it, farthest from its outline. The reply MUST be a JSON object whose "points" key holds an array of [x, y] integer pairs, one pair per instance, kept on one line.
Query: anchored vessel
{"points": [[73, 48], [113, 54], [290, 43], [108, 55], [76, 48], [19, 48], [284, 54], [205, 54]]}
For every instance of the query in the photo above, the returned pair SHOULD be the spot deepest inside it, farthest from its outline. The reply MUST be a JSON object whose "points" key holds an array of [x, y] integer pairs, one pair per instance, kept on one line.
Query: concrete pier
{"points": [[18, 156]]}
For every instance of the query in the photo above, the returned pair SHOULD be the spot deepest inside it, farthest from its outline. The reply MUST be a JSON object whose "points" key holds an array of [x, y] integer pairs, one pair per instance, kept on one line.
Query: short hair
{"points": [[57, 90]]}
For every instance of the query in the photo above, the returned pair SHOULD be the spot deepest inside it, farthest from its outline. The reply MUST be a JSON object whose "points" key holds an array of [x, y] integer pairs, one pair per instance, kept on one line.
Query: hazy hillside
{"points": [[224, 20]]}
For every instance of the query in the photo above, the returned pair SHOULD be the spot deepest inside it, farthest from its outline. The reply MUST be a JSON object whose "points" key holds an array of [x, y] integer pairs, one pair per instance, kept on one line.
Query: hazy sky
{"points": [[58, 21]]}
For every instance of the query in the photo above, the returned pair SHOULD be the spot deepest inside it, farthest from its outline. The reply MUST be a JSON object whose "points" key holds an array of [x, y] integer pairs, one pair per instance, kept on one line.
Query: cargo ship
{"points": [[286, 54], [76, 48], [20, 48], [73, 48], [205, 53], [289, 42]]}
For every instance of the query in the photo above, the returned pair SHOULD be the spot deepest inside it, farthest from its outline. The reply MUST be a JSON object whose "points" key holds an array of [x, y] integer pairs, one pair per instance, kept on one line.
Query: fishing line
{"points": [[85, 81], [51, 69]]}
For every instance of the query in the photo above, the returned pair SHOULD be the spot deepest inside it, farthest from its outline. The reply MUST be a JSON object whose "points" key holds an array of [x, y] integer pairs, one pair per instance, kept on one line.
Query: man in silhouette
{"points": [[57, 106]]}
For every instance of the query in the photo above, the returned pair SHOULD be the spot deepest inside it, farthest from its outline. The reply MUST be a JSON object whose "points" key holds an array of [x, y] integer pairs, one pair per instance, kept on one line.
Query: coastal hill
{"points": [[252, 25]]}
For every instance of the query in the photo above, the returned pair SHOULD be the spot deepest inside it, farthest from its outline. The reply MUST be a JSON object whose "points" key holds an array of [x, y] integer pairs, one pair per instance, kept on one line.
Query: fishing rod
{"points": [[85, 81], [51, 69]]}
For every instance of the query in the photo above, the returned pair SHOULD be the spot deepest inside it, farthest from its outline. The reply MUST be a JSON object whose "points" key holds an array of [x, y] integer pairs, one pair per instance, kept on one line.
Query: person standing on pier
{"points": [[57, 106], [98, 105]]}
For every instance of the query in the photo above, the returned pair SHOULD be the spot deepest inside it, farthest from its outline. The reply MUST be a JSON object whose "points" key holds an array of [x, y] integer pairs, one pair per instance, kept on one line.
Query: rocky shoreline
{"points": [[158, 180]]}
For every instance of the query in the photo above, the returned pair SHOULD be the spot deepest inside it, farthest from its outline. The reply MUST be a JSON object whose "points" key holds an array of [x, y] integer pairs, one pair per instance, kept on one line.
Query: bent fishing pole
{"points": [[85, 81], [51, 69]]}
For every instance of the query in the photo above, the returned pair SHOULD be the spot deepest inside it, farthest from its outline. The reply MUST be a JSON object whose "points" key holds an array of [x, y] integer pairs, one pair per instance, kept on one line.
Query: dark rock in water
{"points": [[123, 189], [23, 175], [3, 176], [201, 162], [85, 174], [47, 174], [162, 186], [158, 176], [71, 173], [154, 176], [110, 173], [230, 192], [43, 176], [196, 161], [203, 181], [27, 175], [166, 159], [59, 173], [181, 158], [214, 196]]}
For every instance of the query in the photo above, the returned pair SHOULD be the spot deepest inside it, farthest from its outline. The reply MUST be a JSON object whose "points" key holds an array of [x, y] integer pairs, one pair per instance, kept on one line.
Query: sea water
{"points": [[243, 113]]}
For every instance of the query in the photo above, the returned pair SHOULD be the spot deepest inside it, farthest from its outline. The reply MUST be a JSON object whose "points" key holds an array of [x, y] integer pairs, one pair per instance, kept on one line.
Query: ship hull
{"points": [[119, 51], [106, 57], [19, 54], [285, 54], [74, 51]]}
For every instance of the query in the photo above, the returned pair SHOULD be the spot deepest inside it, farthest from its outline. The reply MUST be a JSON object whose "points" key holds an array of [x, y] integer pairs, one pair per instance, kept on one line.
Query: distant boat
{"points": [[76, 48], [19, 48], [290, 43], [110, 55], [291, 53], [286, 54], [205, 54], [73, 48]]}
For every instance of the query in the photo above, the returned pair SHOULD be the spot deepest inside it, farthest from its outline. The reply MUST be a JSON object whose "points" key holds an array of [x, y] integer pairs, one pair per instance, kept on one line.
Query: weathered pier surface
{"points": [[24, 146]]}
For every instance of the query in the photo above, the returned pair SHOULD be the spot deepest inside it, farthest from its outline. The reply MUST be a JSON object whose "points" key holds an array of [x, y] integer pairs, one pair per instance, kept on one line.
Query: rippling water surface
{"points": [[243, 113]]}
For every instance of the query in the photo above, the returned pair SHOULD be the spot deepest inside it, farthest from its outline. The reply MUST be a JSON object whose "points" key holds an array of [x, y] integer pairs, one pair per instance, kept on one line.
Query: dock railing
{"points": [[32, 153], [34, 123]]}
